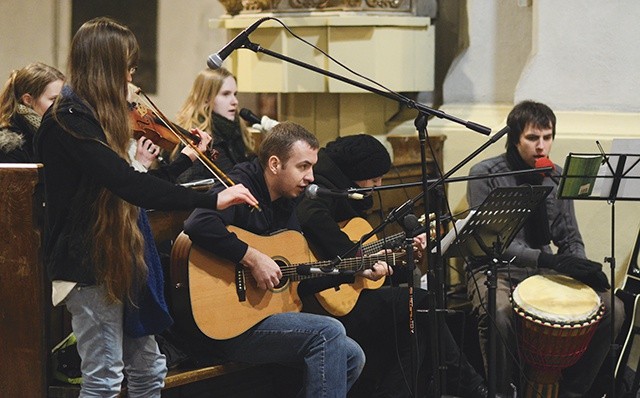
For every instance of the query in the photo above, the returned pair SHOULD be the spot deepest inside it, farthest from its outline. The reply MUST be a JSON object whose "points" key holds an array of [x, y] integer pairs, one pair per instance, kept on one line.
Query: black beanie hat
{"points": [[360, 157]]}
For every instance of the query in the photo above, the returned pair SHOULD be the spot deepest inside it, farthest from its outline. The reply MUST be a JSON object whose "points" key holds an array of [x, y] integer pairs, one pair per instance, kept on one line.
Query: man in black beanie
{"points": [[379, 320]]}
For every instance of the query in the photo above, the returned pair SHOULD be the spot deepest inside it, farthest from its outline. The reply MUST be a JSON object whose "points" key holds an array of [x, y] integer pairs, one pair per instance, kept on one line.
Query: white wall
{"points": [[499, 44], [184, 41], [586, 55], [26, 36]]}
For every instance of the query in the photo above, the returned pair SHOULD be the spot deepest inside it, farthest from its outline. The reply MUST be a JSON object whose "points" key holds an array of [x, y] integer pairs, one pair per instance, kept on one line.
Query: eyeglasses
{"points": [[132, 70]]}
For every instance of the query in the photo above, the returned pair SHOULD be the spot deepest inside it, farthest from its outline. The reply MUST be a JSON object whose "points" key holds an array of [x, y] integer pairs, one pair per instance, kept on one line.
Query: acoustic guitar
{"points": [[340, 301], [221, 298], [629, 294]]}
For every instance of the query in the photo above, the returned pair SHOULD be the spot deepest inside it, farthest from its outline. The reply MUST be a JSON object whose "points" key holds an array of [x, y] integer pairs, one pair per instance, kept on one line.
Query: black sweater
{"points": [[319, 217], [207, 228], [76, 169]]}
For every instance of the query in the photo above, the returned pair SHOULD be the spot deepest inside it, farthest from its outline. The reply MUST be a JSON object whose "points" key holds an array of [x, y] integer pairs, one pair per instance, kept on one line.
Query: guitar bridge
{"points": [[241, 288]]}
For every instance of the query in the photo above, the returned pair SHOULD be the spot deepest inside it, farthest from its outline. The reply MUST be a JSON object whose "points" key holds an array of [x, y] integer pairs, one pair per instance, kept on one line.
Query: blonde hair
{"points": [[33, 80], [102, 51], [197, 108]]}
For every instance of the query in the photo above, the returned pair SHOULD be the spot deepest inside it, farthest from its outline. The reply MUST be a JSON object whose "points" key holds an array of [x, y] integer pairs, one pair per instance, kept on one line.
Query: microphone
{"points": [[266, 123], [249, 116], [215, 60], [546, 162], [313, 191]]}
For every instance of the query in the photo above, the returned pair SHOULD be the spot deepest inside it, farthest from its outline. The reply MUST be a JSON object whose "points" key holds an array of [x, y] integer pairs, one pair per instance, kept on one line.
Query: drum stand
{"points": [[487, 233]]}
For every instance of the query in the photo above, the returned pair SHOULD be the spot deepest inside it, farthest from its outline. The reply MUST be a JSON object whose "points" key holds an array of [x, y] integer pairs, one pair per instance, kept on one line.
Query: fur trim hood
{"points": [[10, 140]]}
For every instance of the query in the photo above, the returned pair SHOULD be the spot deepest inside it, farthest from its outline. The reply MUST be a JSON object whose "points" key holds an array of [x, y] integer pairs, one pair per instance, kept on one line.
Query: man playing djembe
{"points": [[532, 131]]}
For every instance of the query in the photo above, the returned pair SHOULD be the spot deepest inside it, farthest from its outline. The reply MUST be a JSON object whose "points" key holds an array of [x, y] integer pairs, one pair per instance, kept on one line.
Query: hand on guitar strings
{"points": [[582, 269], [264, 270], [378, 270]]}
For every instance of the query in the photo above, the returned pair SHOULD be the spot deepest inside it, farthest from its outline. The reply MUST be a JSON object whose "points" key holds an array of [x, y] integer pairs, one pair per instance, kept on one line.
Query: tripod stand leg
{"points": [[492, 285]]}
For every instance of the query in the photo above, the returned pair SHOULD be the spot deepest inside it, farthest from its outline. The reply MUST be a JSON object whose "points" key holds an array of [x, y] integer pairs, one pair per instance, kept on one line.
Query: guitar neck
{"points": [[347, 265], [378, 245]]}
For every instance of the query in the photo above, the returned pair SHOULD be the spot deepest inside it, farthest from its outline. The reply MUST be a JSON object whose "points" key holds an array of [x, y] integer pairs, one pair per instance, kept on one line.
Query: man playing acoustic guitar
{"points": [[379, 319], [318, 344]]}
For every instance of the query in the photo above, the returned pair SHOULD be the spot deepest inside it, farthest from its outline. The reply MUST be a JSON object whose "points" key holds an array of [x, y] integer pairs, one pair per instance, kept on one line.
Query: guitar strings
{"points": [[356, 264]]}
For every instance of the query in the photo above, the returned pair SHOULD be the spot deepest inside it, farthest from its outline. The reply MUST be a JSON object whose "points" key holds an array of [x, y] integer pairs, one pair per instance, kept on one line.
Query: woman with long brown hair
{"points": [[93, 245]]}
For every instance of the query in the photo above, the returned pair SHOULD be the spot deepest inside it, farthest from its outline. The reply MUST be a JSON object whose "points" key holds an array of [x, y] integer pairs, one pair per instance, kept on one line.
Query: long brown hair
{"points": [[102, 52], [197, 108], [32, 79]]}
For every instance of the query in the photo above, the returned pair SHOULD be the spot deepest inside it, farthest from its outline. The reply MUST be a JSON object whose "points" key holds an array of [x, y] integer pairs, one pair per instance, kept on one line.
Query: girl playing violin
{"points": [[93, 245]]}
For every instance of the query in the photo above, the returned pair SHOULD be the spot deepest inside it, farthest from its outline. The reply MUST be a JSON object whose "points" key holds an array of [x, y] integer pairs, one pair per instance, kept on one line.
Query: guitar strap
{"points": [[241, 288]]}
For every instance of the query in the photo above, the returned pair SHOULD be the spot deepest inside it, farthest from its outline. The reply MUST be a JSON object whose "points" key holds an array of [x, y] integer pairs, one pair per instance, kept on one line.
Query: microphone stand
{"points": [[423, 111], [448, 180], [433, 296]]}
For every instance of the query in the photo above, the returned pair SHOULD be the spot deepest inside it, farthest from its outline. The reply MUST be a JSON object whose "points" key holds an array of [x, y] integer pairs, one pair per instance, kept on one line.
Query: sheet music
{"points": [[491, 227], [451, 235], [629, 187]]}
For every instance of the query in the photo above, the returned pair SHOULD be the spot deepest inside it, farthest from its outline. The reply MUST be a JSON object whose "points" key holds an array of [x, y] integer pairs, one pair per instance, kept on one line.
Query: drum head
{"points": [[556, 298]]}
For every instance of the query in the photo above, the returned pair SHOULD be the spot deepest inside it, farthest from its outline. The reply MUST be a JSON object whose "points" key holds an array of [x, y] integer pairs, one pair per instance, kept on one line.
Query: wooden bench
{"points": [[226, 380], [30, 326]]}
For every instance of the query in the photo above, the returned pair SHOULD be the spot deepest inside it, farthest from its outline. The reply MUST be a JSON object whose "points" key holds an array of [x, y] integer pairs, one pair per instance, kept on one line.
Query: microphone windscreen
{"points": [[544, 162], [249, 116], [311, 191]]}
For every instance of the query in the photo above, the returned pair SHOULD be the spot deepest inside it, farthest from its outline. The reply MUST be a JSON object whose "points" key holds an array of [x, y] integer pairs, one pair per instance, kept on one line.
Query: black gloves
{"points": [[582, 269]]}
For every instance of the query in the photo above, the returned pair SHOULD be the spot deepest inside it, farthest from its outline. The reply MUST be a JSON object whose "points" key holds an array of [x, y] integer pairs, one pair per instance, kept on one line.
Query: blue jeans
{"points": [[106, 352], [332, 361]]}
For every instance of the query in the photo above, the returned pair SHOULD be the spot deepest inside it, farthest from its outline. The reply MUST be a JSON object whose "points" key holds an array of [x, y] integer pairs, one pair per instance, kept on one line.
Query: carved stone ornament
{"points": [[235, 7], [384, 3]]}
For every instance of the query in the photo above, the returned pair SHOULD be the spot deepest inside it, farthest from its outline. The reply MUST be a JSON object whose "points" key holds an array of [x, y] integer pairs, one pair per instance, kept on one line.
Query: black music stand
{"points": [[609, 177], [487, 233]]}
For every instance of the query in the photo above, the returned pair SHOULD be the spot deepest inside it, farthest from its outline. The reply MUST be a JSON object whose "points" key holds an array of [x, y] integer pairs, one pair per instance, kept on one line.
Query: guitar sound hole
{"points": [[285, 279]]}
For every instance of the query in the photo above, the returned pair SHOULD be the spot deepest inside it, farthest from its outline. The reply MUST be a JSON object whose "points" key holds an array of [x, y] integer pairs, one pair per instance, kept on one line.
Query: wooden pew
{"points": [[25, 295]]}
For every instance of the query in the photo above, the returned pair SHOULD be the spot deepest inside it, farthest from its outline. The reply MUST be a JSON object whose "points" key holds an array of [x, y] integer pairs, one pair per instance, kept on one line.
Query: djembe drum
{"points": [[556, 318]]}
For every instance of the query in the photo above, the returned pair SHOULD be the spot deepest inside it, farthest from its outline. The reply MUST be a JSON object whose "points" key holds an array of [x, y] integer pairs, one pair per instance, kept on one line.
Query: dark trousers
{"points": [[380, 324]]}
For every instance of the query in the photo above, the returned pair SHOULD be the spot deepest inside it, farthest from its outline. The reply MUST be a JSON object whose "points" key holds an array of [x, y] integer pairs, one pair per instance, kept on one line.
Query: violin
{"points": [[146, 124], [156, 127]]}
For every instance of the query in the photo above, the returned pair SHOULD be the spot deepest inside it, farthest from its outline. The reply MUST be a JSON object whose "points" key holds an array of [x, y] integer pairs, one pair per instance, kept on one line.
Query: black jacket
{"points": [[319, 217], [319, 220], [207, 228], [75, 171]]}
